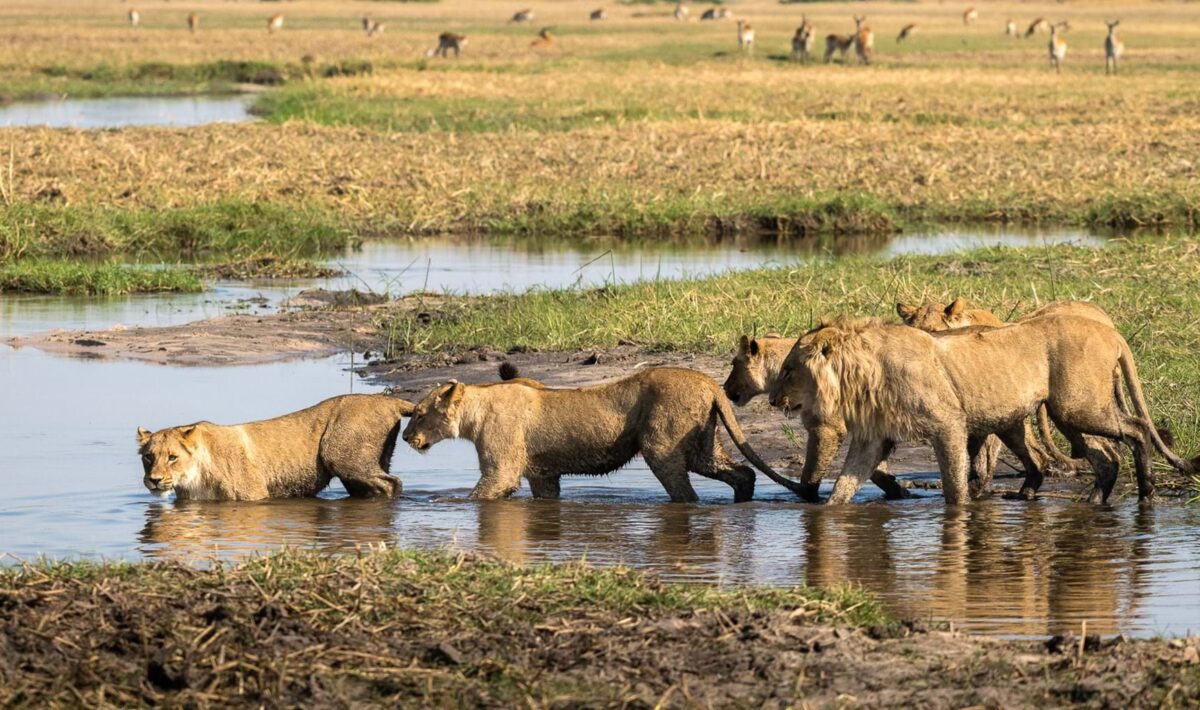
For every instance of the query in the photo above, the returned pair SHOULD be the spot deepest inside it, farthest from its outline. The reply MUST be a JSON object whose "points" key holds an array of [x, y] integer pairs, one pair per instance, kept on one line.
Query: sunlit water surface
{"points": [[72, 481], [116, 112]]}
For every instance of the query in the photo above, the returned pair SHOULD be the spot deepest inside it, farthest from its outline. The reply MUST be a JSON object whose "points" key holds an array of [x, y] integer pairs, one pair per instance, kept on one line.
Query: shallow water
{"points": [[72, 480], [177, 111]]}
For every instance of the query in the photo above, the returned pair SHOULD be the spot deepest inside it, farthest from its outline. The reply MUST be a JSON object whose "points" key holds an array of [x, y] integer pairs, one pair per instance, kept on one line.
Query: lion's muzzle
{"points": [[417, 441]]}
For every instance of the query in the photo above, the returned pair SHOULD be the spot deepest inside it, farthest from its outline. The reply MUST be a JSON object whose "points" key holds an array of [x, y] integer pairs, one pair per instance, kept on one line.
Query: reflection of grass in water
{"points": [[74, 278], [1147, 286]]}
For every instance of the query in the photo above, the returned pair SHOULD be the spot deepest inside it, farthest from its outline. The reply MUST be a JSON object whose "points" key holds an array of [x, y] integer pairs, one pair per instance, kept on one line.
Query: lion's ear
{"points": [[454, 394], [143, 436], [957, 308], [905, 311], [755, 348], [187, 431], [743, 345]]}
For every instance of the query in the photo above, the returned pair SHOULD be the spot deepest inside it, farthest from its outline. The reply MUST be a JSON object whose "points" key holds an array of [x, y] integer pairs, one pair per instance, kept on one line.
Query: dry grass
{"points": [[638, 124]]}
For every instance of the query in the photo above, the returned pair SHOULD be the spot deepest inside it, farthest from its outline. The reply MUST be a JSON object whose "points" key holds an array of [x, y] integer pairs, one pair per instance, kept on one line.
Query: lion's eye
{"points": [[172, 458]]}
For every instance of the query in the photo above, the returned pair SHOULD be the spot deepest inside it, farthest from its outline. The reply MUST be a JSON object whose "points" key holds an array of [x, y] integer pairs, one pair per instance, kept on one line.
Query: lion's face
{"points": [[435, 418], [167, 457], [806, 383], [748, 378], [936, 317]]}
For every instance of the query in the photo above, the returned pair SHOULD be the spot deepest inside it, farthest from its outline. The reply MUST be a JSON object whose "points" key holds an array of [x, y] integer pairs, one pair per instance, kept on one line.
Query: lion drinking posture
{"points": [[669, 415], [350, 438]]}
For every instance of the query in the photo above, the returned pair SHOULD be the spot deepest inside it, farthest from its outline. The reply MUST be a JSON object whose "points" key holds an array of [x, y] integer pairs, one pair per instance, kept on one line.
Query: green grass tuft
{"points": [[75, 278]]}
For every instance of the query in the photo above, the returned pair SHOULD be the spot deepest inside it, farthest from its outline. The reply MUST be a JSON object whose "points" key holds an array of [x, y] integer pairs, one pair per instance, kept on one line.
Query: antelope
{"points": [[1036, 26], [544, 40], [802, 42], [600, 14], [366, 23], [681, 12], [446, 42], [135, 18], [906, 32], [193, 22], [1058, 47], [715, 13], [837, 43], [864, 40], [1010, 28], [745, 36], [970, 15], [374, 28], [274, 23], [520, 16], [1113, 47]]}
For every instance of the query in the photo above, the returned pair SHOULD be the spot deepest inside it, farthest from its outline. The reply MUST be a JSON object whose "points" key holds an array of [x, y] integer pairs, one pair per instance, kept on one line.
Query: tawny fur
{"points": [[895, 383], [745, 35], [837, 43], [274, 23], [802, 41], [668, 415], [1057, 47], [970, 15], [906, 32], [350, 438], [864, 40], [193, 22], [599, 14], [754, 371]]}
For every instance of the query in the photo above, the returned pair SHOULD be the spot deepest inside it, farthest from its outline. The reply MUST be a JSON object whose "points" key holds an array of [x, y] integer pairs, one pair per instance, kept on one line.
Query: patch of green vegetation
{"points": [[75, 278], [1146, 285], [228, 229]]}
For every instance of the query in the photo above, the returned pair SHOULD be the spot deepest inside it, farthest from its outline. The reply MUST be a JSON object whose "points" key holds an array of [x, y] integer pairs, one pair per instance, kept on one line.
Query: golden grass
{"points": [[638, 118]]}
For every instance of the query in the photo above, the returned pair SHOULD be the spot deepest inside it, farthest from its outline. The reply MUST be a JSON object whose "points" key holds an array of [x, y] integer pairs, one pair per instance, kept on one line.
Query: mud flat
{"points": [[447, 630]]}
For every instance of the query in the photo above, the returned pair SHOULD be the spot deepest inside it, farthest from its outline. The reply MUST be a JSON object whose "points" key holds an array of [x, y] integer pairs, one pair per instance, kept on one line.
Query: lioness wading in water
{"points": [[350, 438], [668, 415]]}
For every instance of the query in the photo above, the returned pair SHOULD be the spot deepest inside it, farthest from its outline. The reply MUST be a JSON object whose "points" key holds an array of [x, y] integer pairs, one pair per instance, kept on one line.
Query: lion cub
{"points": [[351, 437], [519, 428]]}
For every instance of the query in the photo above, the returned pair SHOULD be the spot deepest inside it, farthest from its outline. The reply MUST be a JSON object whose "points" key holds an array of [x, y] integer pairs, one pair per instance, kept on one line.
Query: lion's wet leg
{"points": [[545, 486], [1016, 439], [977, 481], [671, 470], [497, 481], [363, 482], [886, 482], [1137, 432], [1104, 459], [820, 450], [719, 466], [861, 461], [950, 448]]}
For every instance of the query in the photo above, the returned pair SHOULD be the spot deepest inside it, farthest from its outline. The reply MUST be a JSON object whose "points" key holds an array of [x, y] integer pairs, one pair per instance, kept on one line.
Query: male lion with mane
{"points": [[891, 383], [350, 438], [520, 428]]}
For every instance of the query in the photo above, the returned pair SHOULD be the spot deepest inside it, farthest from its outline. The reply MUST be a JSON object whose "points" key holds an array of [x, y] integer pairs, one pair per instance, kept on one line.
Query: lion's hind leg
{"points": [[671, 470], [1018, 439], [368, 481], [720, 466]]}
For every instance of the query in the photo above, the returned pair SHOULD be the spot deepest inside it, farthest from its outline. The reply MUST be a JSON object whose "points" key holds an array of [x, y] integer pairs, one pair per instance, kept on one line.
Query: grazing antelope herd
{"points": [[959, 379], [862, 39]]}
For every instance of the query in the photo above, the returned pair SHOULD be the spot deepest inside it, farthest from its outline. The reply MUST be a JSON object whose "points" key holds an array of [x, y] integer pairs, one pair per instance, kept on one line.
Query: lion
{"points": [[754, 370], [891, 382], [937, 317], [351, 437], [669, 415]]}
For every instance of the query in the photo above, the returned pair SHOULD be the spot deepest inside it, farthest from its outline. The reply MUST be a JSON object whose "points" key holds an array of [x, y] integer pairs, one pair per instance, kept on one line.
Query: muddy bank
{"points": [[442, 630], [313, 324]]}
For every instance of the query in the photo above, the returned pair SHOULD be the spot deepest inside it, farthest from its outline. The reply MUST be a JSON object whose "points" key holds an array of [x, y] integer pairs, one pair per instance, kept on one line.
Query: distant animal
{"points": [[371, 27], [599, 14], [1010, 28], [350, 438], [681, 12], [864, 40], [1113, 48], [715, 13], [193, 21], [448, 41], [906, 32], [745, 35], [668, 415], [1057, 47], [135, 18], [837, 43], [366, 22], [275, 23], [1036, 26], [970, 15], [544, 40], [802, 41], [525, 15]]}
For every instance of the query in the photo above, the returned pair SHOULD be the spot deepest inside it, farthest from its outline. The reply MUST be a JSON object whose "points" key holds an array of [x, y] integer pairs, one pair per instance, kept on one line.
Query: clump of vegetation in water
{"points": [[80, 278]]}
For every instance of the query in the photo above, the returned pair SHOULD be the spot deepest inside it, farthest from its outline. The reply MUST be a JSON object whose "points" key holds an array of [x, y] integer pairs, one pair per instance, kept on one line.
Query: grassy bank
{"points": [[1147, 285], [386, 626], [75, 278]]}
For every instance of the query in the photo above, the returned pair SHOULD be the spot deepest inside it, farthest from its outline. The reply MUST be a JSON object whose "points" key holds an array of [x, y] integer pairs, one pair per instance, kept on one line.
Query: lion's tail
{"points": [[725, 410], [1047, 438], [1138, 397], [400, 408]]}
